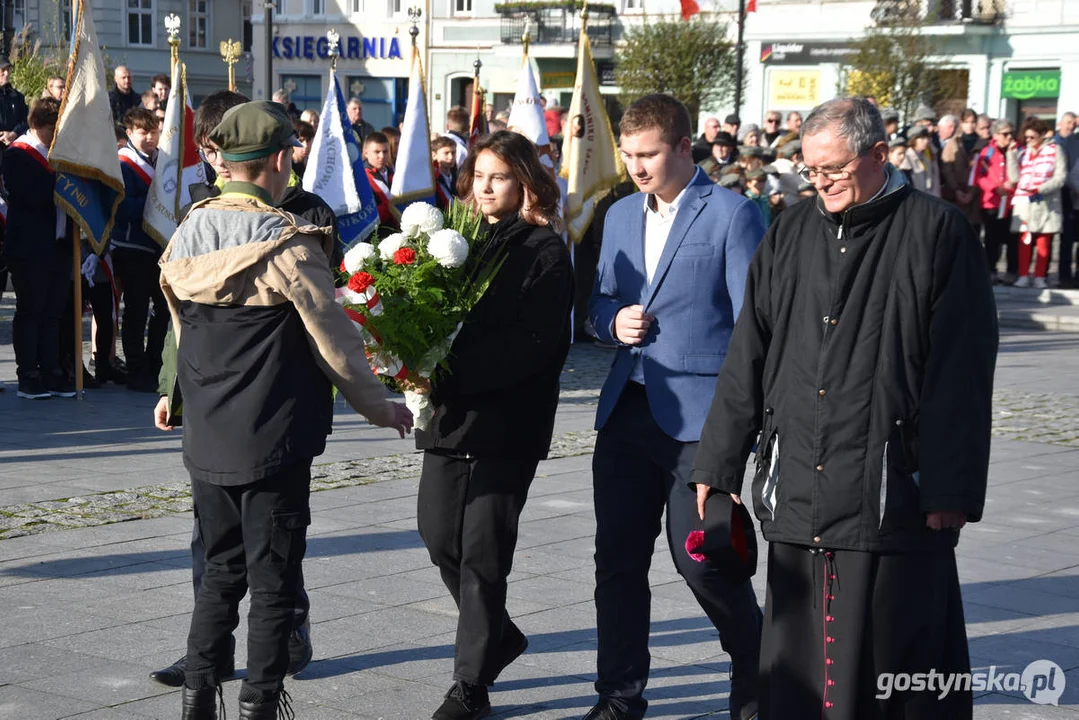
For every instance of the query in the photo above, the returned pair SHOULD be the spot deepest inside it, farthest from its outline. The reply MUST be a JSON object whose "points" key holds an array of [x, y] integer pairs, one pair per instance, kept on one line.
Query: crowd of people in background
{"points": [[1018, 186]]}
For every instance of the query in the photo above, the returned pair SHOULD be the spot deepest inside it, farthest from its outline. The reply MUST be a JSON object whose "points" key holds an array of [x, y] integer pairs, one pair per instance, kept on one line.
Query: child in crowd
{"points": [[444, 156], [135, 255], [376, 159]]}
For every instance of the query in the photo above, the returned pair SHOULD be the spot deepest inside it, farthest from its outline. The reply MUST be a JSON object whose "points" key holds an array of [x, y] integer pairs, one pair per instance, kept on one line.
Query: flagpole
{"points": [[78, 313], [414, 14], [740, 59], [172, 26]]}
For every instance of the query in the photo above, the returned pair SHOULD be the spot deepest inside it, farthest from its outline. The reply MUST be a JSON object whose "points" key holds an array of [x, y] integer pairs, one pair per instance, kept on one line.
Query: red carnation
{"points": [[404, 256], [342, 268], [360, 281]]}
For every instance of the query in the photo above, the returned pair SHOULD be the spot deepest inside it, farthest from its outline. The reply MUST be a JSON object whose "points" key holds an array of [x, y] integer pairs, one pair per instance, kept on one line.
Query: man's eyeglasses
{"points": [[208, 154], [772, 121], [833, 173]]}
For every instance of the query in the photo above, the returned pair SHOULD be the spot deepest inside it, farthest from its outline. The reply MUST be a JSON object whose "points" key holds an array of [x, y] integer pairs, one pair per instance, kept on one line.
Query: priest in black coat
{"points": [[863, 360]]}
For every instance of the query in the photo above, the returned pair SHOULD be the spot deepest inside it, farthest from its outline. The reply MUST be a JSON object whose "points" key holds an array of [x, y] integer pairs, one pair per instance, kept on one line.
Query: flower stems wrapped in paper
{"points": [[409, 294]]}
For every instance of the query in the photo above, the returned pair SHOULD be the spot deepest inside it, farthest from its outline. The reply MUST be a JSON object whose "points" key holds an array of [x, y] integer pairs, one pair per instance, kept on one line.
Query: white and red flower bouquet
{"points": [[409, 294]]}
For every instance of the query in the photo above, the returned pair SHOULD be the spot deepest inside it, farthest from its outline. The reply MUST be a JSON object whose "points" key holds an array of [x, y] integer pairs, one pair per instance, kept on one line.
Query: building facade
{"points": [[132, 33]]}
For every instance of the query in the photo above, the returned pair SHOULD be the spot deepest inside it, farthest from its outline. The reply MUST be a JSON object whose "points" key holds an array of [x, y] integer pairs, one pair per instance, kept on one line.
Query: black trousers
{"points": [[999, 236], [40, 294], [101, 302], [256, 537], [1067, 238], [638, 471], [835, 620], [198, 570], [468, 511], [139, 275]]}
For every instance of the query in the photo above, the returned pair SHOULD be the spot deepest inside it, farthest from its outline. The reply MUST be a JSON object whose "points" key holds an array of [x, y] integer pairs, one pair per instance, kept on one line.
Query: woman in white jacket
{"points": [[1039, 169]]}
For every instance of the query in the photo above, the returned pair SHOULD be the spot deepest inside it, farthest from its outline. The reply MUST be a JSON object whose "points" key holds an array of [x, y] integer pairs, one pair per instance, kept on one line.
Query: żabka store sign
{"points": [[1027, 84]]}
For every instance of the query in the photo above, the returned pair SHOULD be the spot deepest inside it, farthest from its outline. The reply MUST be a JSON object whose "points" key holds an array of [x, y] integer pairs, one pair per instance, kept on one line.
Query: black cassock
{"points": [[862, 363]]}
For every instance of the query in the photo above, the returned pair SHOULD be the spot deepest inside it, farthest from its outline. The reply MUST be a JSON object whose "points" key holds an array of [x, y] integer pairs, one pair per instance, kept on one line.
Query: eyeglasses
{"points": [[1005, 133], [208, 154], [772, 121], [833, 173], [1030, 138]]}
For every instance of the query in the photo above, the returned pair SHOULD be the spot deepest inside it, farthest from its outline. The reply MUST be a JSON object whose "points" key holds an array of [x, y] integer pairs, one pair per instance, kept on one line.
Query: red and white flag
{"points": [[692, 7], [178, 163]]}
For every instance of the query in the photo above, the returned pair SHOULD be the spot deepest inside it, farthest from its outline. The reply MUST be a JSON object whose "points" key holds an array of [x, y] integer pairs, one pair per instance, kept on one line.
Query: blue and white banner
{"points": [[346, 191], [89, 186]]}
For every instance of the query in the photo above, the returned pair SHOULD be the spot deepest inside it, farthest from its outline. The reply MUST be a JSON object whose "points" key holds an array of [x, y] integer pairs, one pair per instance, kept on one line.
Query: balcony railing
{"points": [[981, 12], [553, 23]]}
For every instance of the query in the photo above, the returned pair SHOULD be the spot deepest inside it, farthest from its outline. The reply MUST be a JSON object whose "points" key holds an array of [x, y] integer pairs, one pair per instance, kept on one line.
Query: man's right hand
{"points": [[398, 417], [631, 324], [161, 414]]}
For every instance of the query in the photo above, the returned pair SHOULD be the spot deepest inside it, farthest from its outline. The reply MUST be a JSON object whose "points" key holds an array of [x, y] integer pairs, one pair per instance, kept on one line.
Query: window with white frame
{"points": [[632, 5], [279, 7], [462, 7], [140, 22], [18, 14], [198, 22], [394, 7], [318, 7], [357, 7]]}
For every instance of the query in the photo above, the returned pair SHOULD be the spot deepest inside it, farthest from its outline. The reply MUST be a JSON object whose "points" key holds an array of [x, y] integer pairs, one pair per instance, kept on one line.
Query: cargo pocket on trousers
{"points": [[288, 536]]}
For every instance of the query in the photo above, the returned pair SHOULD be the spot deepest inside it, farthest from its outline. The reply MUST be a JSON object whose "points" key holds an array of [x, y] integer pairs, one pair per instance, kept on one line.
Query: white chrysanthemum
{"points": [[357, 255], [390, 245], [419, 217], [448, 247]]}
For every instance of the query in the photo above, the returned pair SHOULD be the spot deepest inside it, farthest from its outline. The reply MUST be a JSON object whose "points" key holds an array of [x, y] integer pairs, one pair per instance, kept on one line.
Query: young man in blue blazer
{"points": [[668, 289]]}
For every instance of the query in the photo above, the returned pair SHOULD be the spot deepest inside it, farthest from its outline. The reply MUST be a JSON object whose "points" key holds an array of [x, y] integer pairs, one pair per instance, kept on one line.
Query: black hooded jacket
{"points": [[864, 357], [500, 393]]}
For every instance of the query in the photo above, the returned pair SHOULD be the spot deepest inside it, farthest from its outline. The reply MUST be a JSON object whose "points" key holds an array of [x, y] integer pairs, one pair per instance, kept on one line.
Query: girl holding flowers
{"points": [[494, 409]]}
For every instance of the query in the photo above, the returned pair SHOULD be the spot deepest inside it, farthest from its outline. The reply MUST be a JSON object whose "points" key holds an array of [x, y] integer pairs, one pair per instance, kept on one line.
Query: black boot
{"points": [[464, 701], [267, 709], [199, 704]]}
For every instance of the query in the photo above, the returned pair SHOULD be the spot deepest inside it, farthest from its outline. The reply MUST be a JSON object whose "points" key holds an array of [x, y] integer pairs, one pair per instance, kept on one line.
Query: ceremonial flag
{"points": [[178, 163], [347, 192], [593, 165], [477, 125], [526, 115], [89, 186], [414, 177]]}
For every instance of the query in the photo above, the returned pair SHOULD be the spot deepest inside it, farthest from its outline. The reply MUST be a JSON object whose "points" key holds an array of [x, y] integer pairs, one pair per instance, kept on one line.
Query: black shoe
{"points": [[268, 709], [173, 675], [106, 372], [300, 650], [32, 388], [60, 385], [89, 381], [607, 710], [200, 704], [464, 701], [513, 645]]}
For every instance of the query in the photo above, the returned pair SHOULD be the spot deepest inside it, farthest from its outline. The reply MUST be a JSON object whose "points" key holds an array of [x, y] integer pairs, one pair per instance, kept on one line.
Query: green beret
{"points": [[254, 130], [755, 174], [897, 141], [751, 151], [917, 131]]}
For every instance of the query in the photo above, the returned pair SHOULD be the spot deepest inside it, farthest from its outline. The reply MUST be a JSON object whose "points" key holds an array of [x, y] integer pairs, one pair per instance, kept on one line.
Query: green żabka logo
{"points": [[1033, 85]]}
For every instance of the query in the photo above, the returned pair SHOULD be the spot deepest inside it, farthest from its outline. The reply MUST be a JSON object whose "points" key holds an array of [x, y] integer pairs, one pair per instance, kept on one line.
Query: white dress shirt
{"points": [[657, 227]]}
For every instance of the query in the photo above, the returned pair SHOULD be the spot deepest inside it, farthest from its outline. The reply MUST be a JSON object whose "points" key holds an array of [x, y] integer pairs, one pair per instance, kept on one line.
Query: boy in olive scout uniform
{"points": [[261, 344]]}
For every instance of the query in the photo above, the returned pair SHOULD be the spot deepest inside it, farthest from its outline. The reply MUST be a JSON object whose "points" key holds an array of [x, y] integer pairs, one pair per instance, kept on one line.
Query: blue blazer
{"points": [[695, 296]]}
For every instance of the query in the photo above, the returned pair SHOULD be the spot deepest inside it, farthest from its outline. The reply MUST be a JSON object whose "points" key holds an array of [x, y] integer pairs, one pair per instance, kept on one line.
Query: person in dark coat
{"points": [[13, 110], [122, 98], [314, 210], [863, 359], [34, 249], [494, 410]]}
